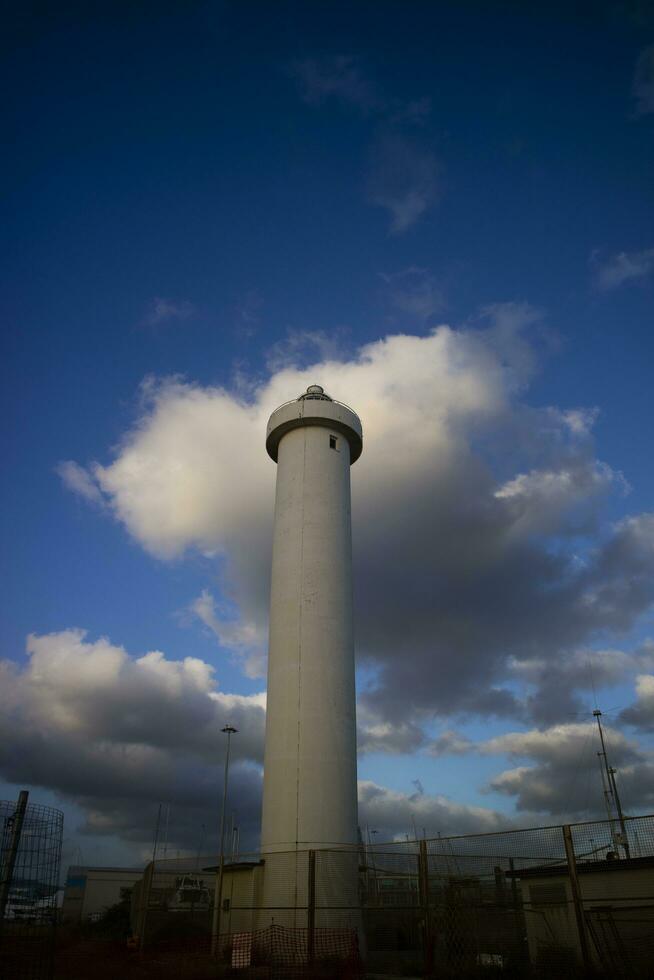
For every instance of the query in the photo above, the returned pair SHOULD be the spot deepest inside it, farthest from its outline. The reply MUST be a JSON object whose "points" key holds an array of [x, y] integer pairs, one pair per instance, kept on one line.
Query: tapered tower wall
{"points": [[310, 778]]}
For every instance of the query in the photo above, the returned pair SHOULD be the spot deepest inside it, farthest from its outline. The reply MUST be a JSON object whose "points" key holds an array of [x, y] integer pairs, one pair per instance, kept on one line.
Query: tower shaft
{"points": [[310, 757]]}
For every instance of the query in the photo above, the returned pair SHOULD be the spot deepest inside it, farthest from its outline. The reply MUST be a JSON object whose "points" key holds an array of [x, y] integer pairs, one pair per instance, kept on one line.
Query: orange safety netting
{"points": [[289, 946]]}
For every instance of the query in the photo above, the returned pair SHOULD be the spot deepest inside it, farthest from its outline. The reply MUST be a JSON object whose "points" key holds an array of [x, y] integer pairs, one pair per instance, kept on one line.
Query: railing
{"points": [[334, 401]]}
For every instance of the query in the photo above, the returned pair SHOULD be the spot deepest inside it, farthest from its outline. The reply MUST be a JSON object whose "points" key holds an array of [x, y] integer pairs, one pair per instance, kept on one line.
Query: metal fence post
{"points": [[145, 903], [311, 908], [423, 893], [576, 896], [523, 952], [12, 851]]}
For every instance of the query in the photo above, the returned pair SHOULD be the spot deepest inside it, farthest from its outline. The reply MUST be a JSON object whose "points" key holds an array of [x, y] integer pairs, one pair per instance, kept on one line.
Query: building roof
{"points": [[236, 866], [584, 867], [86, 868]]}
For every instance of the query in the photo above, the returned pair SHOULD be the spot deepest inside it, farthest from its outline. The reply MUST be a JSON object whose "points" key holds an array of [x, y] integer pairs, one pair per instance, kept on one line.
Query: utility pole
{"points": [[218, 895], [612, 790]]}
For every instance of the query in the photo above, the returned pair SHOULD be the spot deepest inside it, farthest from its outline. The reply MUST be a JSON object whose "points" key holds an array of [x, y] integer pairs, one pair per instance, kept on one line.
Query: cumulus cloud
{"points": [[451, 743], [554, 687], [404, 180], [93, 690], [643, 83], [559, 744], [546, 501], [117, 733], [641, 713], [478, 540], [245, 640], [394, 814], [565, 780], [376, 735], [624, 267]]}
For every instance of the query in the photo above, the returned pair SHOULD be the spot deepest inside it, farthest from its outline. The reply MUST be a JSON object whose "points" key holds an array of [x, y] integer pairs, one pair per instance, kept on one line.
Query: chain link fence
{"points": [[558, 901]]}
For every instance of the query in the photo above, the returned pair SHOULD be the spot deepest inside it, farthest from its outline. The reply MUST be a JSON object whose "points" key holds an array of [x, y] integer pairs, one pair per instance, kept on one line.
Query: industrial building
{"points": [[180, 888], [617, 925], [89, 892]]}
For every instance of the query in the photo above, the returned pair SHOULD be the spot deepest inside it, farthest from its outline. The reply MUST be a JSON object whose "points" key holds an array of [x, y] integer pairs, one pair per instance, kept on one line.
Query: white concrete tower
{"points": [[310, 777]]}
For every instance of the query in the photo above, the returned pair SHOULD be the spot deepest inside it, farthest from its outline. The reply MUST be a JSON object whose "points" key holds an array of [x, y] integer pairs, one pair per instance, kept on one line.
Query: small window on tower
{"points": [[333, 442]]}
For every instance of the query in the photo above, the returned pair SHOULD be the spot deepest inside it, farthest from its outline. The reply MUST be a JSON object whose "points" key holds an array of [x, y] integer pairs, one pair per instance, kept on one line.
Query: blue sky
{"points": [[228, 194]]}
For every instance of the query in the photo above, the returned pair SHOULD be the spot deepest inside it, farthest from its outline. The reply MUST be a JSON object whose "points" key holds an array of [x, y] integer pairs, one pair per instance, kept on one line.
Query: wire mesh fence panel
{"points": [[30, 853], [629, 837], [615, 868], [390, 879], [542, 902], [640, 830], [476, 918], [479, 854]]}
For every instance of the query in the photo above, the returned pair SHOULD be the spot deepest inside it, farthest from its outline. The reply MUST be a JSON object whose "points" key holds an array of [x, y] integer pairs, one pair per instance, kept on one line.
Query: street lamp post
{"points": [[218, 895]]}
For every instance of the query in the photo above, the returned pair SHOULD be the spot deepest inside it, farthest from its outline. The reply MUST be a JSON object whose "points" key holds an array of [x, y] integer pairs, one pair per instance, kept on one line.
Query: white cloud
{"points": [[164, 310], [80, 481], [246, 640], [96, 690], [248, 312], [452, 564], [117, 733], [414, 291], [394, 814], [624, 267], [559, 744], [585, 668], [377, 735], [564, 779], [339, 77], [643, 83], [542, 500], [404, 175], [343, 79], [451, 743], [579, 420], [641, 713], [301, 347], [404, 179]]}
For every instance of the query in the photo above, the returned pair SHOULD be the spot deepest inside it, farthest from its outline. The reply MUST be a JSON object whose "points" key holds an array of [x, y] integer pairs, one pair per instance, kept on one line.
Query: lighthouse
{"points": [[310, 778]]}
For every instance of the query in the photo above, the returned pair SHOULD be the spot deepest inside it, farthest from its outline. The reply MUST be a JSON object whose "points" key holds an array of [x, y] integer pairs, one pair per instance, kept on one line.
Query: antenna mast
{"points": [[611, 789]]}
